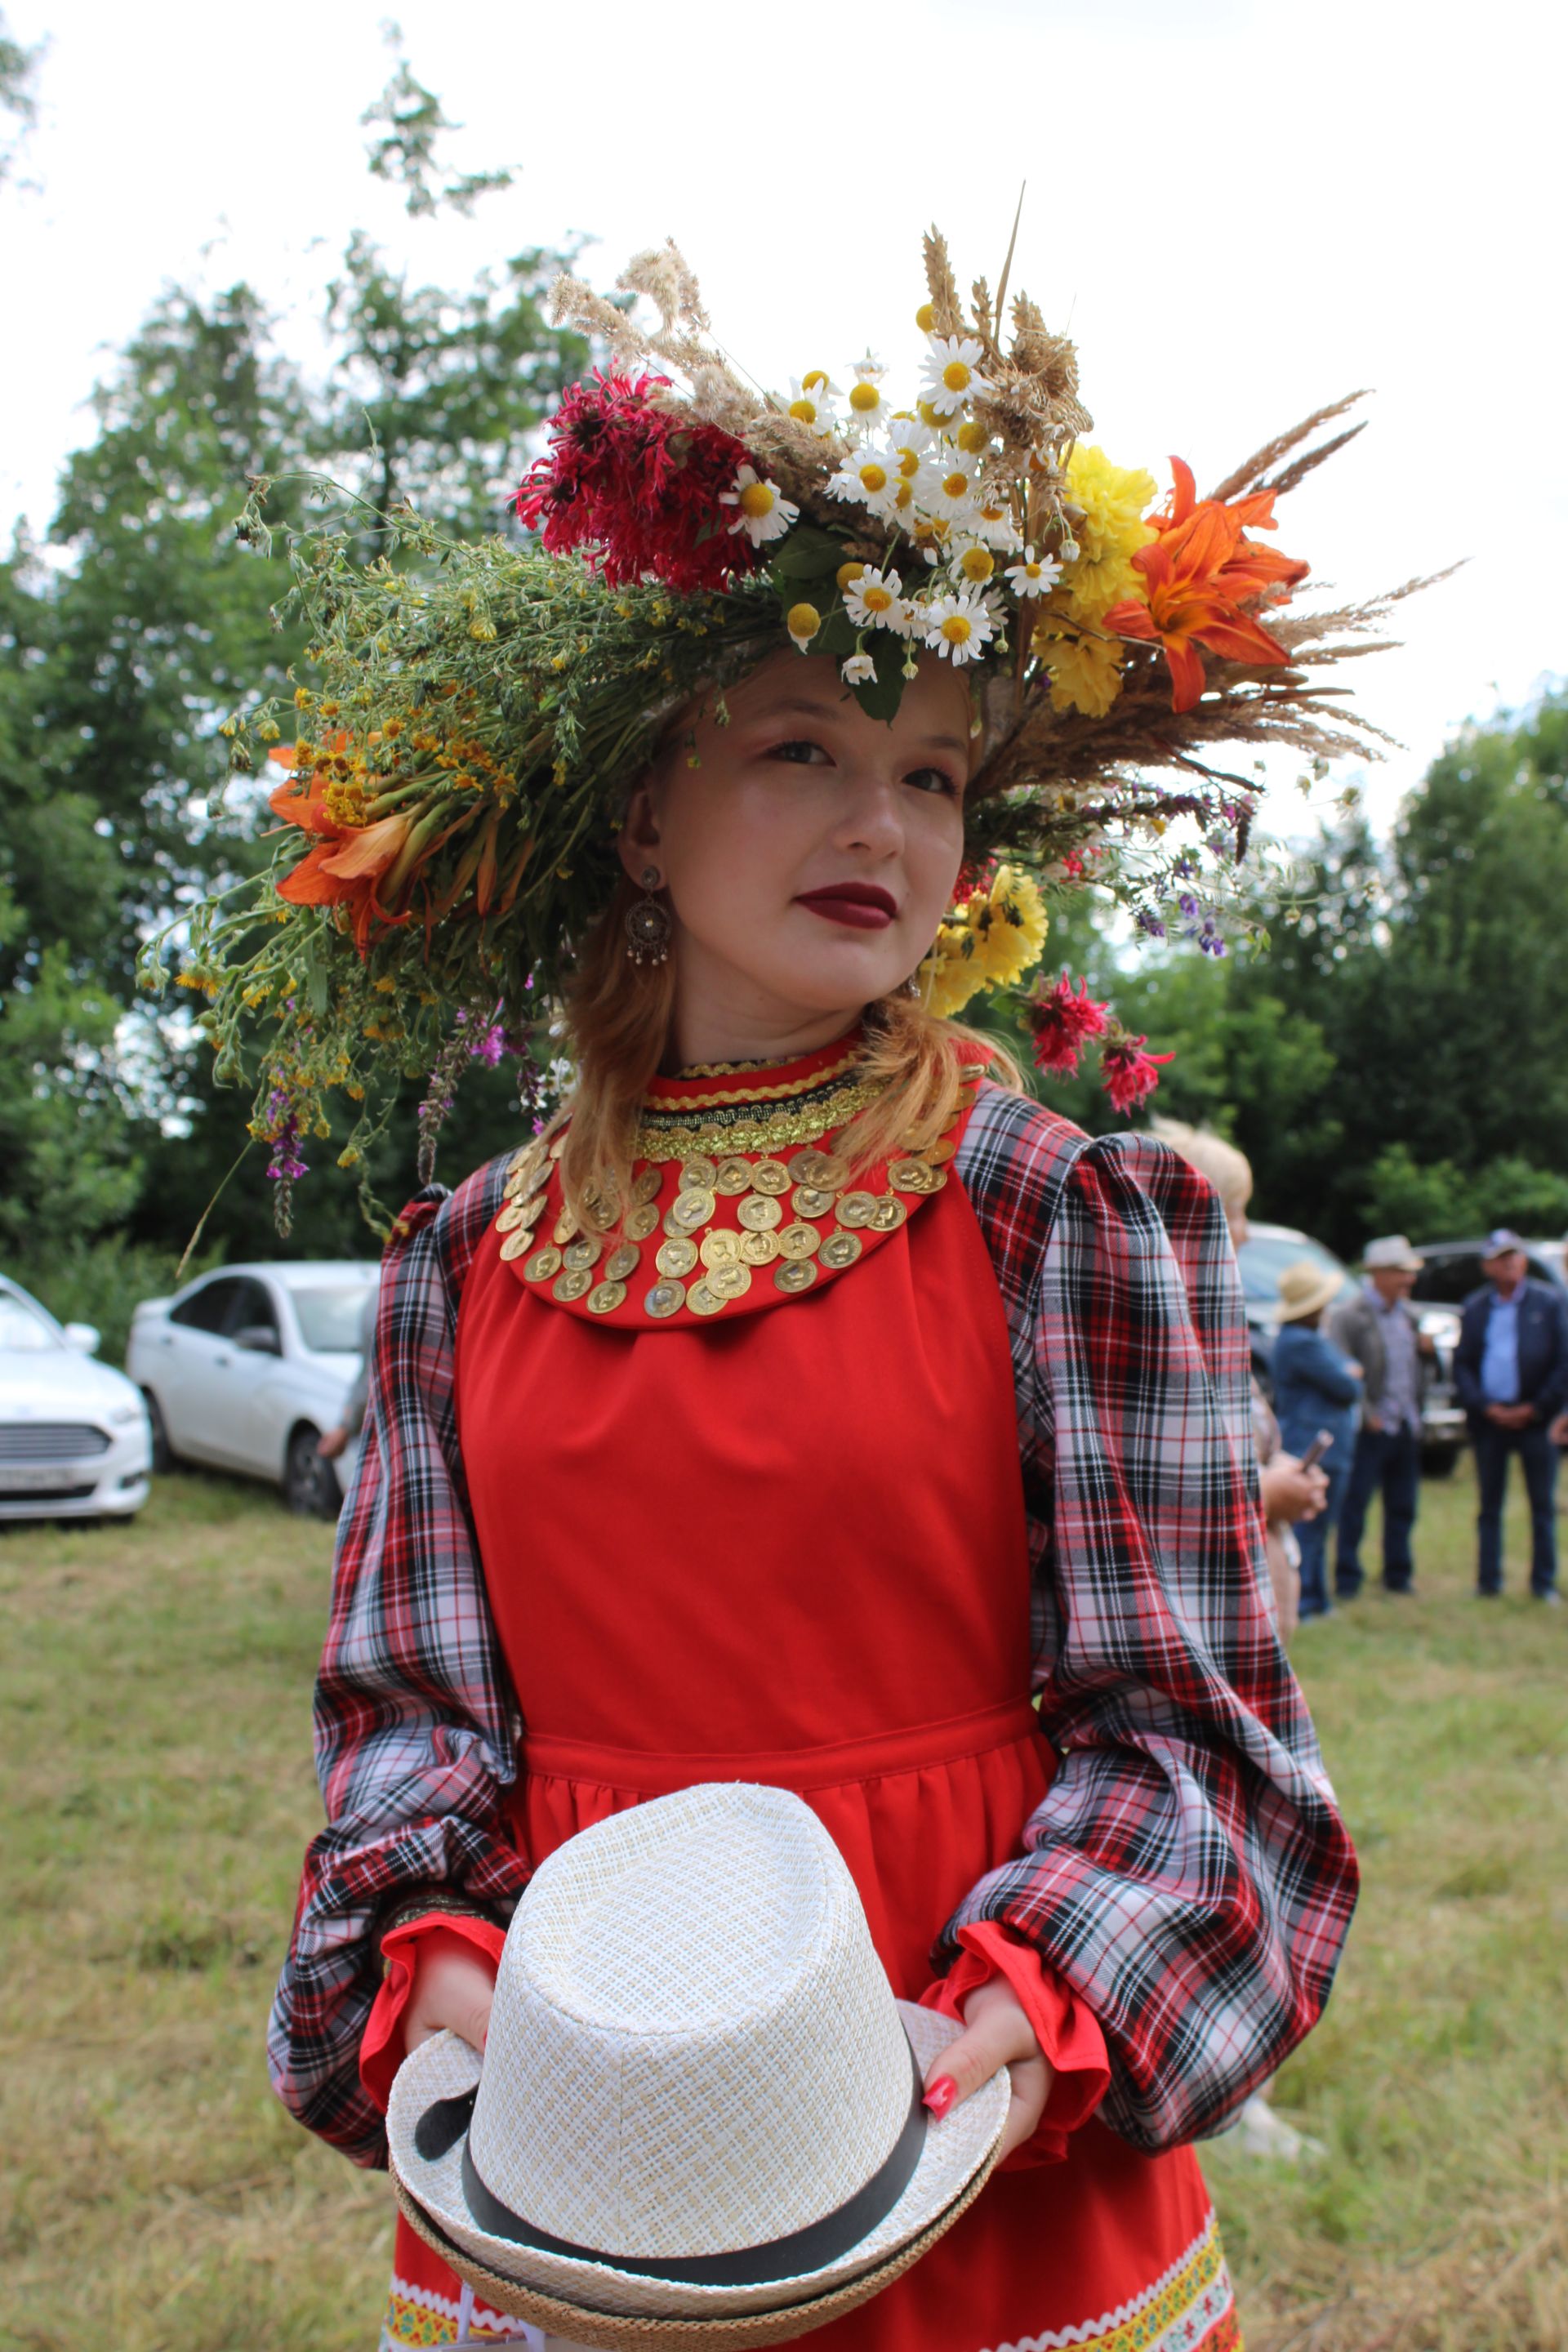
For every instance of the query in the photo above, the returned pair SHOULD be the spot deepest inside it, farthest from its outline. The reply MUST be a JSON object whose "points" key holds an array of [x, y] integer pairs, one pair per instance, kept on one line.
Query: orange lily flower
{"points": [[1201, 569], [345, 863]]}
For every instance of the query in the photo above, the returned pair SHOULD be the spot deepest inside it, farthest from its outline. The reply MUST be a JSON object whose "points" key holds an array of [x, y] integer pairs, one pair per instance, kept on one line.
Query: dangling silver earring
{"points": [[912, 985], [648, 926]]}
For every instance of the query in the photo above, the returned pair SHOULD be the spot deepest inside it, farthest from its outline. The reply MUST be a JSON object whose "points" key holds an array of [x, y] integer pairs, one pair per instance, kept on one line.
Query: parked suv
{"points": [[1263, 1257], [246, 1368]]}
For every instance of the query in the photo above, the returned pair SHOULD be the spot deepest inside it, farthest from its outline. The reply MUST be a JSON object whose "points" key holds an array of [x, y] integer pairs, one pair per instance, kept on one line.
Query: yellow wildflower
{"points": [[347, 1157], [991, 941], [1086, 671], [1112, 498], [344, 803]]}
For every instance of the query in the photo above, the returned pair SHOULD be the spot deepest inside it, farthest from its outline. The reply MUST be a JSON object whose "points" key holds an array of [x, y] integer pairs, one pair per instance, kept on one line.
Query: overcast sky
{"points": [[1238, 210]]}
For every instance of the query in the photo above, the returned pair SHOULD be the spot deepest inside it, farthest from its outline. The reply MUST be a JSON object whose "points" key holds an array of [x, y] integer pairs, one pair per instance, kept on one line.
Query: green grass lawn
{"points": [[158, 1790]]}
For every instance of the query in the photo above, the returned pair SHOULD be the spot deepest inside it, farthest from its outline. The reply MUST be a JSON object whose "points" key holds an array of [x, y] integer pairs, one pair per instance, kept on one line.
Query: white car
{"points": [[74, 1440], [244, 1368]]}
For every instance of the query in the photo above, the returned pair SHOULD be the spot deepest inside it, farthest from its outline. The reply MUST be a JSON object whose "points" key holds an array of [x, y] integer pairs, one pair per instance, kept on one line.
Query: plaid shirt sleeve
{"points": [[1188, 1871], [416, 1729]]}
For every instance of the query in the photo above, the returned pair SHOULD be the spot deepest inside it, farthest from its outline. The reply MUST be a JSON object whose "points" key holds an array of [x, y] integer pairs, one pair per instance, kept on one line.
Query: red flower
{"points": [[637, 488], [1062, 1022], [1128, 1074], [1201, 569]]}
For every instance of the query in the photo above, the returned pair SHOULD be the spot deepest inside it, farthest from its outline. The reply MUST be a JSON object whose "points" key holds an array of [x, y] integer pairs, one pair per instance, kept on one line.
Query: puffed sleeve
{"points": [[1187, 1874], [416, 1729]]}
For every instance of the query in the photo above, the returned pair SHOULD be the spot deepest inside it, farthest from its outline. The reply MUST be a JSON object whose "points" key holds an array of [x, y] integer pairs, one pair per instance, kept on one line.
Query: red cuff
{"points": [[1069, 2035], [381, 2049]]}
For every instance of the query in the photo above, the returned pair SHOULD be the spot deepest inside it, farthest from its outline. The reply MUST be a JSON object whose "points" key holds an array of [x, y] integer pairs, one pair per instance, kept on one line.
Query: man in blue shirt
{"points": [[1510, 1369]]}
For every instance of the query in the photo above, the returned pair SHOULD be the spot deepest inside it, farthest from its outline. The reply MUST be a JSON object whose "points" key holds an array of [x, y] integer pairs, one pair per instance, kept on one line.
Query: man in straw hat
{"points": [[1510, 1371], [1376, 1329]]}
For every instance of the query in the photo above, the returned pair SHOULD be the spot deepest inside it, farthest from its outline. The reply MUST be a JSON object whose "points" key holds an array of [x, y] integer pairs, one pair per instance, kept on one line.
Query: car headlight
{"points": [[122, 1414]]}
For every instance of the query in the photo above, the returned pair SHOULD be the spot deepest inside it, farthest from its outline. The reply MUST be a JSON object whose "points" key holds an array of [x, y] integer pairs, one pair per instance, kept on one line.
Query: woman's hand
{"points": [[453, 1990], [1292, 1492], [996, 2032]]}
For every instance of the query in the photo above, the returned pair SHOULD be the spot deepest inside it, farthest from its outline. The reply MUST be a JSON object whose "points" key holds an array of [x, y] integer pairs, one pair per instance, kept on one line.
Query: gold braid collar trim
{"points": [[754, 1094], [739, 1126]]}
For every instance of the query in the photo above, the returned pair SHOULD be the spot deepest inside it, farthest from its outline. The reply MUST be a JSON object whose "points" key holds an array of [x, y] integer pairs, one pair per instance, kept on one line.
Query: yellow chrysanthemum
{"points": [[1112, 498], [991, 941], [1086, 671]]}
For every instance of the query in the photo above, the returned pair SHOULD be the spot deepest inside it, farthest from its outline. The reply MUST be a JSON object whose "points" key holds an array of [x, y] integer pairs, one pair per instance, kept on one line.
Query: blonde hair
{"points": [[1228, 1169], [618, 1018]]}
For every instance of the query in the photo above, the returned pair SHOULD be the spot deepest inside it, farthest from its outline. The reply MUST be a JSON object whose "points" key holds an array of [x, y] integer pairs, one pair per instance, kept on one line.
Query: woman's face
{"points": [[809, 856]]}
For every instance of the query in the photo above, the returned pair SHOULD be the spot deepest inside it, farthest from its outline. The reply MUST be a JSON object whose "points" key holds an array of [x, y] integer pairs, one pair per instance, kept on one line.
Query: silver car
{"points": [[246, 1368], [74, 1441]]}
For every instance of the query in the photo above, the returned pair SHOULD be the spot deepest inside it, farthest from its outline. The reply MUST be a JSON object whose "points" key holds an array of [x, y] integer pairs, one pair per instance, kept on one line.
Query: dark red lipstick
{"points": [[863, 906]]}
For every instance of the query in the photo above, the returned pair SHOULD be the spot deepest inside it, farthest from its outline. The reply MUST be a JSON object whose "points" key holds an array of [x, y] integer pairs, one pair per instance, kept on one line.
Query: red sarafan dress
{"points": [[779, 1534]]}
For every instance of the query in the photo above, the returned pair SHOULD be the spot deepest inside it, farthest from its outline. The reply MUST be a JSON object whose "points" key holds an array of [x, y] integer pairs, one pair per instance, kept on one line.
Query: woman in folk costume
{"points": [[806, 1404]]}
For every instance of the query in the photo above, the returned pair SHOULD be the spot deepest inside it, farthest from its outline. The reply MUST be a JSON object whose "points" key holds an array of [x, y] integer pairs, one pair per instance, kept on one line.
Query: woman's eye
{"points": [[931, 780], [804, 754]]}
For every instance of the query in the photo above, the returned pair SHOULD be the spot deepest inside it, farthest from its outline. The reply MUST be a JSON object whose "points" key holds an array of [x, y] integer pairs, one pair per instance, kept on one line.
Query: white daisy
{"points": [[873, 600], [866, 477], [811, 401], [974, 564], [859, 670], [958, 628], [951, 457], [762, 511], [803, 622], [870, 407], [1035, 576], [993, 522], [952, 491], [909, 441], [952, 372]]}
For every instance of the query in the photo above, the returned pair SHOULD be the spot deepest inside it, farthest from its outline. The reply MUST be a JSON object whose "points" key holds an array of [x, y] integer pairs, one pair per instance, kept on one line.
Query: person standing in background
{"points": [[1317, 1387], [1289, 1493], [1376, 1328], [1510, 1369], [333, 1442]]}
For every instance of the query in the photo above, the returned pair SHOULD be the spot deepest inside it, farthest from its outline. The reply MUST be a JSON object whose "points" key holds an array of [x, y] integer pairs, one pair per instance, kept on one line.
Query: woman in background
{"points": [[1316, 1388], [1292, 1496]]}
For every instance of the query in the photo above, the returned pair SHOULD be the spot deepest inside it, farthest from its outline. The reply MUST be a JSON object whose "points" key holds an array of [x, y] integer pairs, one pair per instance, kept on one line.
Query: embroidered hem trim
{"points": [[1190, 2308], [419, 2317]]}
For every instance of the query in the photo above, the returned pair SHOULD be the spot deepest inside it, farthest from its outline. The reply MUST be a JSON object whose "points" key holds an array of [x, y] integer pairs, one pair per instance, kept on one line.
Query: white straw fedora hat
{"points": [[698, 2115]]}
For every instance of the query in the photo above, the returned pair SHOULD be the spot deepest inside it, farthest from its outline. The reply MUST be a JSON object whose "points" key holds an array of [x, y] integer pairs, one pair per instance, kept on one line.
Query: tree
{"points": [[17, 67], [127, 641], [437, 391]]}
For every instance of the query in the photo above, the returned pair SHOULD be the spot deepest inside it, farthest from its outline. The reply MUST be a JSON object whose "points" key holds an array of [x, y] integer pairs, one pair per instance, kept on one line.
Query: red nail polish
{"points": [[940, 2095]]}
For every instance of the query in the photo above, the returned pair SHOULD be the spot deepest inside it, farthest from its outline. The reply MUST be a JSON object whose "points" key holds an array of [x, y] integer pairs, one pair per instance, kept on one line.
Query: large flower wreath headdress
{"points": [[478, 712]]}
